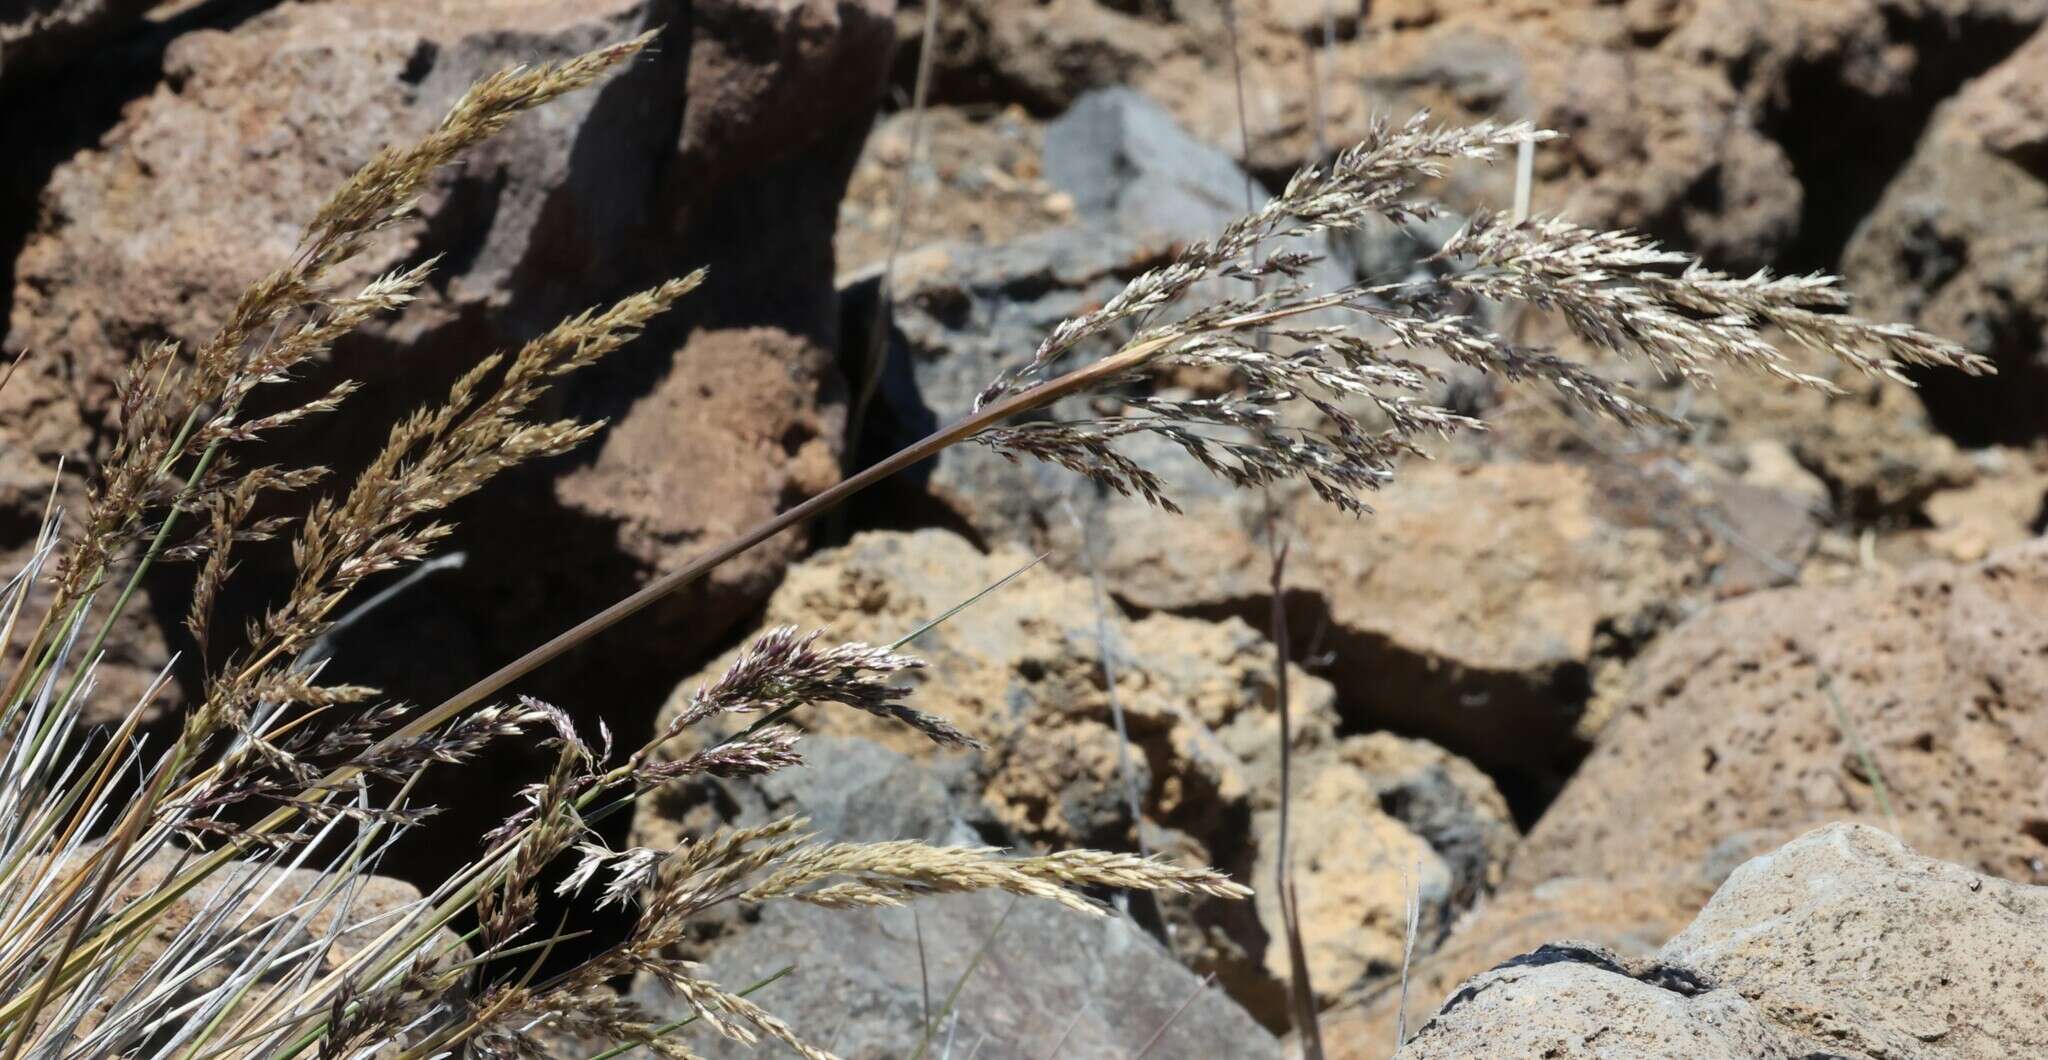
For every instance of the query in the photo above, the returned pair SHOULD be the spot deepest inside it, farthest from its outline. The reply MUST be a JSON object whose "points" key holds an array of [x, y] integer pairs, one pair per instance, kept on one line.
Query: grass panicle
{"points": [[206, 897]]}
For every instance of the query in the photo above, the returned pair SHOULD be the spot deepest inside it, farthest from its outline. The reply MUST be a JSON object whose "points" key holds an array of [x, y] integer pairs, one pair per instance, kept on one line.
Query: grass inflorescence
{"points": [[167, 925]]}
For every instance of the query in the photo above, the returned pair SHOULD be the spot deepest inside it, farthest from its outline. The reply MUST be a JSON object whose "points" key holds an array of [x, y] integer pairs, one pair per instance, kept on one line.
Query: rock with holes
{"points": [[1572, 1001], [863, 990], [1914, 704], [1955, 246], [1842, 943], [1858, 947], [1471, 608], [727, 145], [1021, 669], [1765, 117], [1630, 919]]}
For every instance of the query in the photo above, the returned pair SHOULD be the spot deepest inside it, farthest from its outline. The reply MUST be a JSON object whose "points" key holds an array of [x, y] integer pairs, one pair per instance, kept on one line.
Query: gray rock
{"points": [[861, 980], [1572, 1002], [1842, 944], [851, 789], [1858, 947], [858, 987], [1127, 163]]}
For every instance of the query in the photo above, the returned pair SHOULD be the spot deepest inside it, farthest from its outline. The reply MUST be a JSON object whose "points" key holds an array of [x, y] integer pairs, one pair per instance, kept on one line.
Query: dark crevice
{"points": [[1521, 729], [48, 117], [1846, 145]]}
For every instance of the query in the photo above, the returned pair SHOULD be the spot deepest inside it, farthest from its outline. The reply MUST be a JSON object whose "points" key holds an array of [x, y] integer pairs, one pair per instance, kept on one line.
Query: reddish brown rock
{"points": [[1955, 247], [1728, 125], [1765, 716], [727, 145]]}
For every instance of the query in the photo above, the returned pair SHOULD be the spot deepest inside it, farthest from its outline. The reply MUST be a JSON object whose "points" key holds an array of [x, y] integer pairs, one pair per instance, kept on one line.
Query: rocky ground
{"points": [[1579, 717]]}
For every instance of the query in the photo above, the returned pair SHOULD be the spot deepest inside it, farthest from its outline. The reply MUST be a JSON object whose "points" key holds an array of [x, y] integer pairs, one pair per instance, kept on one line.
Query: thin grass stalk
{"points": [[667, 1029], [1160, 1033], [878, 329], [1301, 991], [1032, 399], [953, 996]]}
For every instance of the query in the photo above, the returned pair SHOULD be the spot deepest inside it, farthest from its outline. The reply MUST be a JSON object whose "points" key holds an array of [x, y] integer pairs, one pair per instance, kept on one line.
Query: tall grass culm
{"points": [[164, 924]]}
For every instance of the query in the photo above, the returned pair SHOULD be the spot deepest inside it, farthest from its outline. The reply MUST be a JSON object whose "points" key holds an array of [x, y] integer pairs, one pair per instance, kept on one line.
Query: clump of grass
{"points": [[98, 956]]}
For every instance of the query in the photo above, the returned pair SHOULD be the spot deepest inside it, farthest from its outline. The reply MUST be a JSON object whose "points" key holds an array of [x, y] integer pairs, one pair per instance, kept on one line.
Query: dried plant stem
{"points": [[917, 452], [878, 330], [670, 1028], [24, 1023], [995, 413], [1300, 988]]}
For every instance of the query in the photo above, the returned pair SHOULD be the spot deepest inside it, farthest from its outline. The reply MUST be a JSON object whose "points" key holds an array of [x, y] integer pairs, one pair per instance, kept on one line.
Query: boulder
{"points": [[1020, 669], [1911, 703], [1842, 943], [863, 977], [1048, 978], [1575, 1002], [1955, 247], [1856, 946], [1628, 918], [1749, 104], [726, 145]]}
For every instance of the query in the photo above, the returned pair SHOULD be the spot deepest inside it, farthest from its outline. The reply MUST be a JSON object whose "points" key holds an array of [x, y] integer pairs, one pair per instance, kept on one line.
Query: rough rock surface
{"points": [[861, 975], [252, 126], [858, 983], [1857, 946], [728, 145], [1762, 718], [1728, 124], [1593, 1007], [1843, 943], [1379, 822], [977, 178], [1470, 609], [1955, 246], [1020, 670], [1631, 919]]}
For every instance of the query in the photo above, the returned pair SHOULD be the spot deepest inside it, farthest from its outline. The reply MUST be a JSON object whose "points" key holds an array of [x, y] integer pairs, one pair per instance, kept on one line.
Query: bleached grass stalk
{"points": [[239, 978]]}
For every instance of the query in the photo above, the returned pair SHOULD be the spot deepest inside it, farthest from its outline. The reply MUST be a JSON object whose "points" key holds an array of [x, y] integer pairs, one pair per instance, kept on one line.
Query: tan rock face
{"points": [[1021, 671], [1472, 604], [1713, 122], [1842, 943], [1373, 816], [1750, 724], [1354, 882]]}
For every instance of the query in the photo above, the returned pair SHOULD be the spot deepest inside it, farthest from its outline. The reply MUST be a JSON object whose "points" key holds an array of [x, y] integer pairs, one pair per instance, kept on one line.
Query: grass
{"points": [[155, 925]]}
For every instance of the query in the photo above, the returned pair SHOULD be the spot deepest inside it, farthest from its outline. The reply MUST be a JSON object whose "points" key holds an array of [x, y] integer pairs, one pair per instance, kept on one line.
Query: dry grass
{"points": [[89, 968]]}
